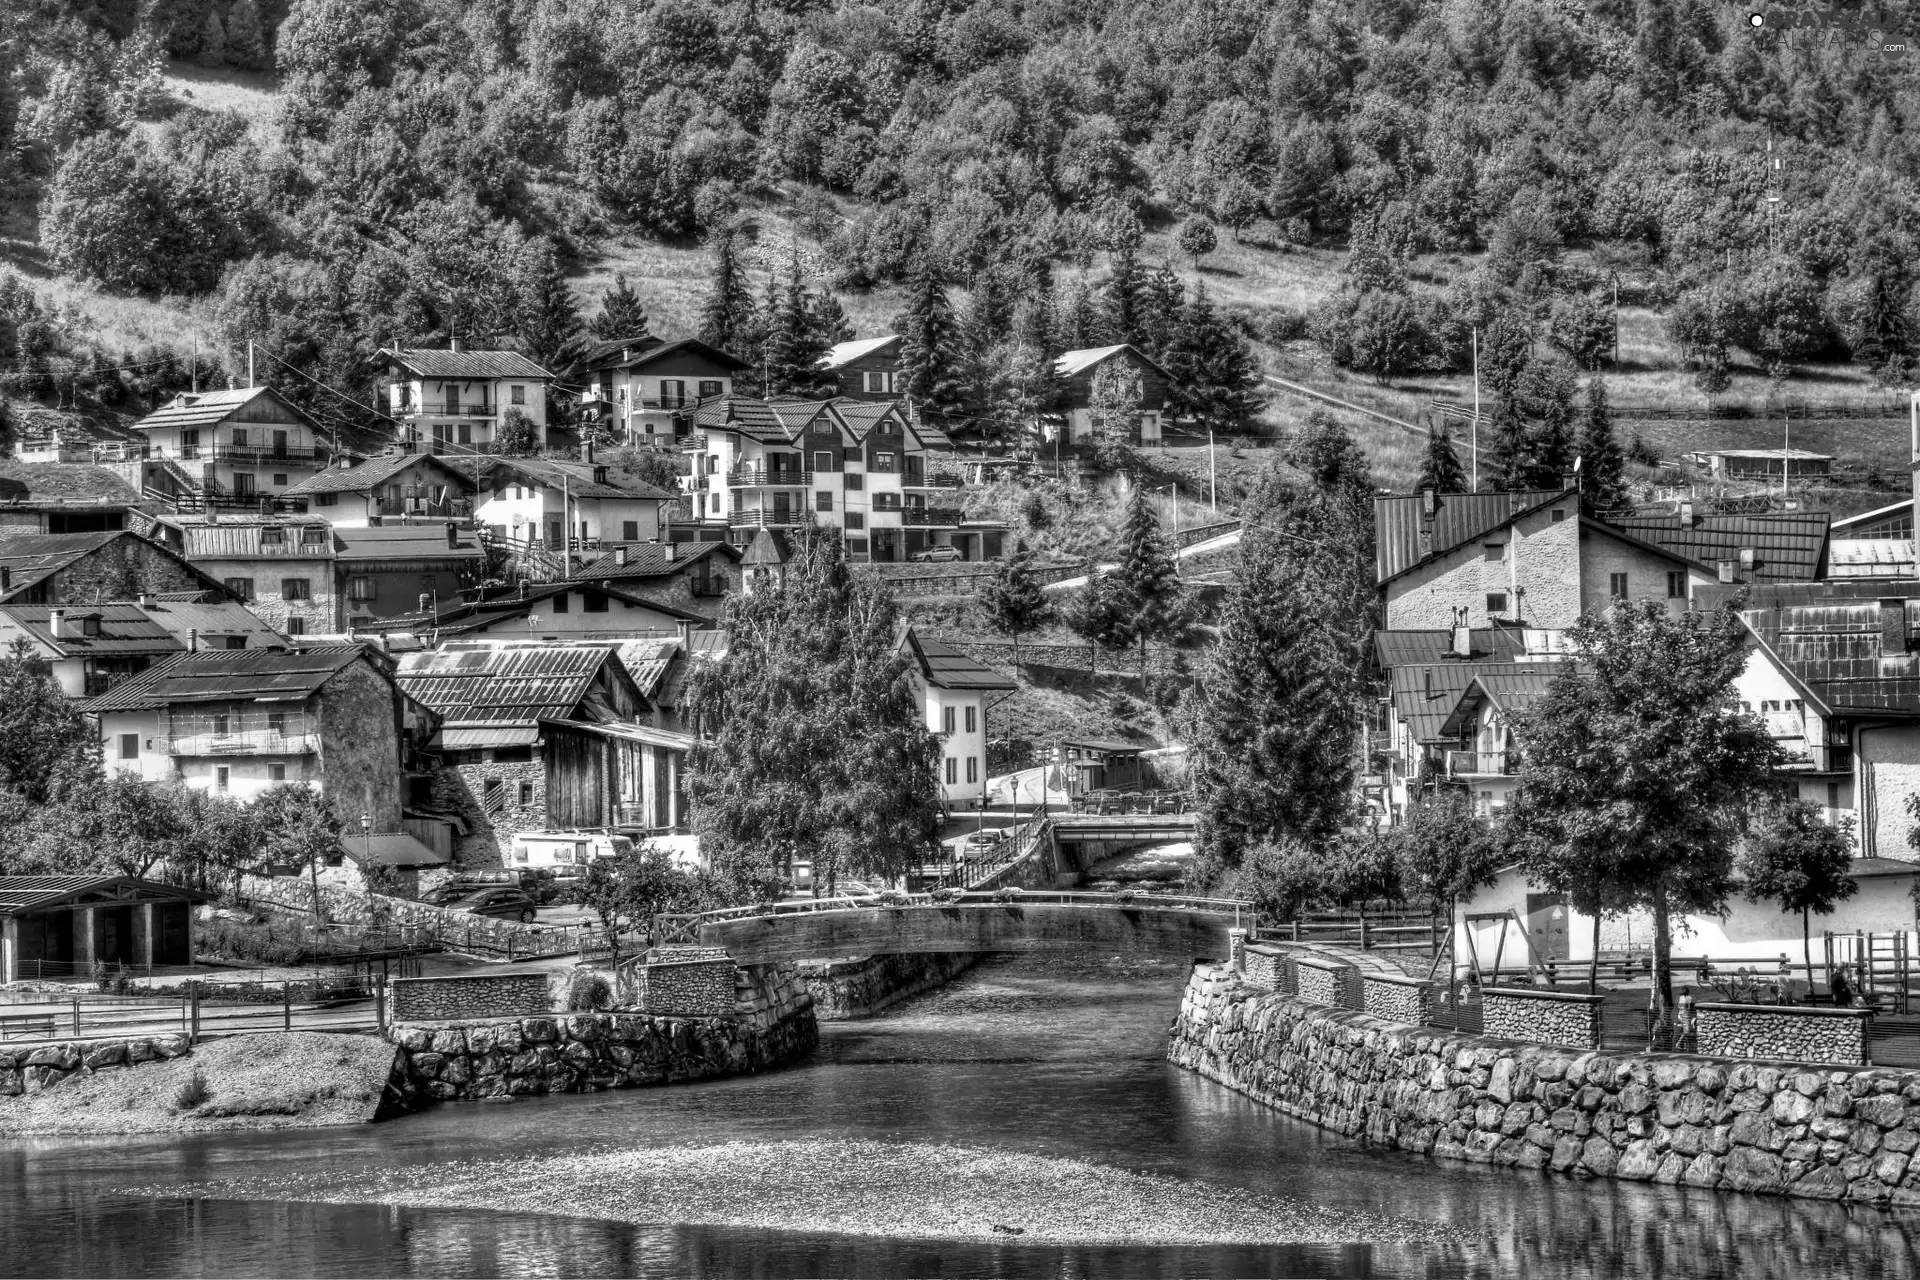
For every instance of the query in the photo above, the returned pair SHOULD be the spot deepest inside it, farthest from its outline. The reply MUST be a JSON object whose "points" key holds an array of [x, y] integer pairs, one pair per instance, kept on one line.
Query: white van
{"points": [[565, 853]]}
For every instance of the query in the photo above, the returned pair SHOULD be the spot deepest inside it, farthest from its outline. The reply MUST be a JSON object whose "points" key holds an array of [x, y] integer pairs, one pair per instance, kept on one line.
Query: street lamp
{"points": [[366, 837]]}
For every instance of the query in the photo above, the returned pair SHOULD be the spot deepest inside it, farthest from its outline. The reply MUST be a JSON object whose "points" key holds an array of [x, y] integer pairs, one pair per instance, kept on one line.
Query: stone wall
{"points": [[122, 569], [29, 1070], [461, 789], [1270, 969], [1326, 982], [681, 988], [771, 1023], [294, 896], [1796, 1034], [1826, 1134], [1546, 1017], [859, 988], [493, 995], [1408, 1000]]}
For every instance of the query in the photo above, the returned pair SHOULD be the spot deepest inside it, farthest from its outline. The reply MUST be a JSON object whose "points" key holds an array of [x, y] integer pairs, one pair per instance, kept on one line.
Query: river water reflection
{"points": [[1042, 1057]]}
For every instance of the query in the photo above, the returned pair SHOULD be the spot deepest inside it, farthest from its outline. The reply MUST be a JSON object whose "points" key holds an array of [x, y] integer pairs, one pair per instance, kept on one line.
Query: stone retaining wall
{"points": [[493, 995], [1569, 1018], [1269, 968], [29, 1070], [681, 988], [1326, 982], [1798, 1033], [771, 1023], [859, 988], [1827, 1134], [1408, 1000]]}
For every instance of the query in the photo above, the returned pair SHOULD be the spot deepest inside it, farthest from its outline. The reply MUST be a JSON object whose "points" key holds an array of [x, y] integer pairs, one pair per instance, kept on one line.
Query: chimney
{"points": [[453, 344], [6, 579], [626, 354], [193, 639], [1462, 646], [1726, 571], [1571, 481], [1426, 683], [1686, 514], [1429, 503], [1893, 627], [57, 623], [669, 551], [620, 554], [144, 600], [599, 473], [453, 535], [596, 474]]}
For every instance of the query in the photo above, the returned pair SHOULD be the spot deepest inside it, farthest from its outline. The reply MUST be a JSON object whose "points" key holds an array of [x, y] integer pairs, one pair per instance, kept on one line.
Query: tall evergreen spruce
{"points": [[622, 314], [930, 342], [727, 316], [811, 744], [1509, 449], [1122, 301], [1013, 598], [549, 317], [1211, 373], [1440, 470], [1603, 478], [794, 343], [1155, 602]]}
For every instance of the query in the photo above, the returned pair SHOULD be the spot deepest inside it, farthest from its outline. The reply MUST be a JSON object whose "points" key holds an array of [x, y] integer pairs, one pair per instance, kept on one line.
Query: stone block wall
{"points": [[1820, 1133], [31, 1069], [461, 788], [1269, 968], [1325, 982], [1408, 1000], [682, 989], [493, 995], [1791, 1034], [1545, 1017], [860, 988]]}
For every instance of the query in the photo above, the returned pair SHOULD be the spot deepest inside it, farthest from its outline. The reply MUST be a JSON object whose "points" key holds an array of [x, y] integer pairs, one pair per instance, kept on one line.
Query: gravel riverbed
{"points": [[851, 1188]]}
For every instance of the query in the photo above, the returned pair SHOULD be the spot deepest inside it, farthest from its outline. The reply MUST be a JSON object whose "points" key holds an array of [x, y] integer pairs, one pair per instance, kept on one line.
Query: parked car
{"points": [[936, 555], [509, 904]]}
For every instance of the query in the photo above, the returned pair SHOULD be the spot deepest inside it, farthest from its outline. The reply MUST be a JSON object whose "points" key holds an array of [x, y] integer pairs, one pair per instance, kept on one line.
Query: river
{"points": [[1052, 1058]]}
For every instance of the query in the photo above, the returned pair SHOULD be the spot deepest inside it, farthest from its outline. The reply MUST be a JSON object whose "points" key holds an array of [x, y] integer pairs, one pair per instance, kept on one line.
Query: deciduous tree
{"points": [[1803, 863], [626, 892]]}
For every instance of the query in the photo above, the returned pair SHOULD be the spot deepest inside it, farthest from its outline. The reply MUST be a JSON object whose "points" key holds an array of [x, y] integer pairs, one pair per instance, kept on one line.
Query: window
{"points": [[713, 503], [242, 587], [823, 501], [710, 387], [630, 531], [946, 719], [279, 479], [1496, 602], [823, 460], [236, 642], [971, 725], [673, 393], [296, 589], [1676, 584], [294, 626], [518, 395], [276, 773], [1559, 514], [219, 722], [240, 435], [1496, 552], [526, 793], [272, 537], [883, 462], [953, 770], [466, 433], [886, 502], [857, 546], [222, 777], [277, 722], [325, 500], [361, 588], [1617, 586], [879, 382], [856, 483], [129, 746], [313, 534], [973, 768], [560, 602], [856, 520], [593, 601]]}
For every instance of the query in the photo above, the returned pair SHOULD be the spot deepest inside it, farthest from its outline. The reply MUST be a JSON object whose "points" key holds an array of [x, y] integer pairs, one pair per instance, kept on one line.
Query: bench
{"points": [[14, 1025]]}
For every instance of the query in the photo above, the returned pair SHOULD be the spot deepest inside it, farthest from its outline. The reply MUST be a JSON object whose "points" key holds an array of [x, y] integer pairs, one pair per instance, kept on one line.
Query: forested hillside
{"points": [[438, 166]]}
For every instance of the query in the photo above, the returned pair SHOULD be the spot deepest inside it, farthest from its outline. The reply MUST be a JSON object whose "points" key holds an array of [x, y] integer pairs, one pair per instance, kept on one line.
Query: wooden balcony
{"points": [[777, 518], [1479, 764], [244, 742], [931, 517], [930, 480], [756, 477], [264, 455], [443, 409]]}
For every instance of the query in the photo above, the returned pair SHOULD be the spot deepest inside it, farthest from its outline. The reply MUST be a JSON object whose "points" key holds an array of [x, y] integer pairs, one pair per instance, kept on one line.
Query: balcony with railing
{"points": [[754, 477], [934, 517], [776, 518], [930, 480], [447, 409], [291, 741], [1479, 764], [263, 455]]}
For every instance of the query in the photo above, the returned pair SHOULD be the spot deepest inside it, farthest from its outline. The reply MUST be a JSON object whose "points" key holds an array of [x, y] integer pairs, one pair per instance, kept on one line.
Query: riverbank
{"points": [[866, 985], [291, 1080]]}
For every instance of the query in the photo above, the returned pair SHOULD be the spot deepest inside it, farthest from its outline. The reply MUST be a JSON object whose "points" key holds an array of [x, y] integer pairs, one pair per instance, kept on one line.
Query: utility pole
{"points": [[250, 382], [1213, 490], [1474, 446]]}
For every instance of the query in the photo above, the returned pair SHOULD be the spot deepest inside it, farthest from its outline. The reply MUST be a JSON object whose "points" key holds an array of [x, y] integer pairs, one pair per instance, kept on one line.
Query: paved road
{"points": [[1231, 538]]}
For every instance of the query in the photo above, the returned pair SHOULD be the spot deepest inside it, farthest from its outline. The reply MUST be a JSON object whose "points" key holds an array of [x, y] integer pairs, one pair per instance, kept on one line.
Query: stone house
{"points": [[565, 506], [695, 577], [237, 722], [233, 447], [91, 649], [957, 693], [280, 567], [865, 369], [63, 498], [94, 568], [453, 400], [1076, 371], [645, 384], [495, 701], [559, 611], [401, 572], [398, 487], [1773, 546]]}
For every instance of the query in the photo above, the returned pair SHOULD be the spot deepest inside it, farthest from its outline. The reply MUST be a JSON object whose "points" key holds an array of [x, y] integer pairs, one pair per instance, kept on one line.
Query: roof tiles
{"points": [[1787, 546], [1404, 536]]}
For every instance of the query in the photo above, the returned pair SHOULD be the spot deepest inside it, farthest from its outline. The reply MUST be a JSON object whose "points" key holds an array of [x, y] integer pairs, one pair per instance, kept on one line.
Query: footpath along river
{"points": [[1049, 1075]]}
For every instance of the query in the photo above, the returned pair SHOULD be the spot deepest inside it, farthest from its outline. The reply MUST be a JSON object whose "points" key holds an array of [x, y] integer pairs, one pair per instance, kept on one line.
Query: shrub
{"points": [[192, 1092], [588, 992], [1283, 324]]}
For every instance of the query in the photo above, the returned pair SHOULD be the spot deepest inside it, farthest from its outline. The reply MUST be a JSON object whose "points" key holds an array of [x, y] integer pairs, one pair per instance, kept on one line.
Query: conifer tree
{"points": [[1121, 301], [1013, 599], [930, 344], [246, 36], [213, 40], [794, 344], [830, 318], [727, 316], [1509, 457], [812, 744], [1154, 602], [548, 317], [622, 314], [1163, 307], [1603, 480], [1441, 471], [1075, 324], [1211, 374]]}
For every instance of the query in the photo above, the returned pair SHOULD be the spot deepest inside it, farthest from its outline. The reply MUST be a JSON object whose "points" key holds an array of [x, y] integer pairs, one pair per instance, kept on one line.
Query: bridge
{"points": [[1009, 920]]}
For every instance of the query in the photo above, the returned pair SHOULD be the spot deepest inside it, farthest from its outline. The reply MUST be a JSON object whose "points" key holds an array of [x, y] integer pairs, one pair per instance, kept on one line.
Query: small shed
{"points": [[61, 926], [1098, 765], [1762, 464]]}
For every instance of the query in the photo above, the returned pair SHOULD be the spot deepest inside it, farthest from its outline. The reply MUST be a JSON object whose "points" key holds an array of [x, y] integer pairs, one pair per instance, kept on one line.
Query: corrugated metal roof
{"points": [[844, 353], [376, 470], [122, 628], [432, 362], [1827, 637], [1863, 524], [1870, 558], [648, 662], [1787, 546], [1459, 518], [209, 407], [406, 542], [502, 685], [945, 667], [500, 735], [578, 478], [650, 560], [1511, 690], [668, 738], [605, 355], [1393, 649], [224, 618], [20, 894], [228, 675]]}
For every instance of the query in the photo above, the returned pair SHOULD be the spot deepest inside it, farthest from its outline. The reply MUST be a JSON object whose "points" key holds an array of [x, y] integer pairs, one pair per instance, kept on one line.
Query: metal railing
{"points": [[446, 409], [244, 742], [930, 480], [746, 476], [1478, 764], [937, 517], [265, 454], [775, 519]]}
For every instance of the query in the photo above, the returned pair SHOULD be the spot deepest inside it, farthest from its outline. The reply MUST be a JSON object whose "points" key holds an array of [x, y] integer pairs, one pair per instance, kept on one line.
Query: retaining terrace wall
{"points": [[1567, 1018], [1825, 1134], [771, 1023], [1800, 1033], [843, 990], [29, 1070], [684, 988], [502, 995]]}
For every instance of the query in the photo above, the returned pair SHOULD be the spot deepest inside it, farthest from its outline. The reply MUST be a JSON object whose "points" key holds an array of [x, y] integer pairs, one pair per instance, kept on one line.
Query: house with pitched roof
{"points": [[565, 506], [91, 649], [693, 576], [280, 567], [645, 384], [543, 737], [454, 399], [95, 568], [866, 368], [236, 722], [555, 611], [957, 692], [397, 572], [1773, 546], [400, 486], [1481, 751], [63, 498], [1524, 558], [229, 448], [1076, 371]]}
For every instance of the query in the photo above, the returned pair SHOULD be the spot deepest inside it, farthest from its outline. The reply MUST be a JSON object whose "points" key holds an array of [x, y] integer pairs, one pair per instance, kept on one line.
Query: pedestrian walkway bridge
{"points": [[1005, 920]]}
